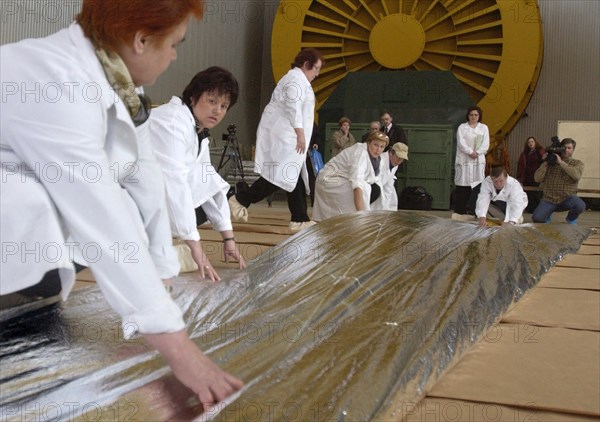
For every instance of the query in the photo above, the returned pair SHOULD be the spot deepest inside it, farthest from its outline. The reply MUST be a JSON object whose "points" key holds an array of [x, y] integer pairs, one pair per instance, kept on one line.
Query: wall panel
{"points": [[569, 83], [237, 34]]}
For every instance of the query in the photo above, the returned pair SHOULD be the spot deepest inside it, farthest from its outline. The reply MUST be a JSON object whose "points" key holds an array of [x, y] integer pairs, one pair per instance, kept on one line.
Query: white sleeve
{"points": [[358, 168], [148, 192], [515, 203], [484, 199], [293, 99], [217, 211], [168, 136], [485, 145], [70, 135], [462, 143]]}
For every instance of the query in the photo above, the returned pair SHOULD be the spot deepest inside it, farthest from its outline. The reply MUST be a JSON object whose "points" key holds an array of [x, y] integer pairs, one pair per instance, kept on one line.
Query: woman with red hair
{"points": [[282, 141], [78, 171], [529, 161]]}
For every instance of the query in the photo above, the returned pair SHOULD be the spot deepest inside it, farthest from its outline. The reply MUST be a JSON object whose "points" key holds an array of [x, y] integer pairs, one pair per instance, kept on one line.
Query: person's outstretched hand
{"points": [[230, 250], [193, 368], [204, 266]]}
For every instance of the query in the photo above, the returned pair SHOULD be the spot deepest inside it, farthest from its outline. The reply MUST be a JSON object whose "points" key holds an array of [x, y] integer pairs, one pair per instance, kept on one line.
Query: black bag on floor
{"points": [[414, 198]]}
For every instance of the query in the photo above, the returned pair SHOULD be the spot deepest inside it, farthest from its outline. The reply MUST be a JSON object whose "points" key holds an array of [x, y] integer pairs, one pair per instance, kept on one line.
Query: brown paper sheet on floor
{"points": [[495, 376], [589, 250], [264, 238], [571, 278], [554, 369], [251, 244], [578, 309], [581, 261], [433, 409]]}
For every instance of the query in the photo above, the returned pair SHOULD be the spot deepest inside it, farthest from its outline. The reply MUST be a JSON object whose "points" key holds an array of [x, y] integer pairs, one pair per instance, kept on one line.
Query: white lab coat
{"points": [[190, 178], [292, 106], [512, 194], [334, 188], [469, 171], [388, 200], [74, 166]]}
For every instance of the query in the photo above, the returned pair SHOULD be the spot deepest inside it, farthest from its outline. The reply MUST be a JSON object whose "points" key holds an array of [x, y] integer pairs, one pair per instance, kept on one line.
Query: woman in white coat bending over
{"points": [[472, 143], [76, 162], [282, 140], [348, 182], [195, 191]]}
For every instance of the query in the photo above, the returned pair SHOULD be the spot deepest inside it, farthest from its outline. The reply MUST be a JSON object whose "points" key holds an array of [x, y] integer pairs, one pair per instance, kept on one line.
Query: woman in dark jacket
{"points": [[529, 161]]}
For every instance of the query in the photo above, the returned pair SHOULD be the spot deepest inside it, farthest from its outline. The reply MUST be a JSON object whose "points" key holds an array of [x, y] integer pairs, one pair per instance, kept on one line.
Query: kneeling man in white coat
{"points": [[502, 196]]}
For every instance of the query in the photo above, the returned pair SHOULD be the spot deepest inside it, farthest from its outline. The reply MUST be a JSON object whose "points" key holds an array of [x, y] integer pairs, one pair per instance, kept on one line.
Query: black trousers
{"points": [[375, 193], [263, 188], [201, 216], [48, 286], [312, 178], [533, 198], [461, 200]]}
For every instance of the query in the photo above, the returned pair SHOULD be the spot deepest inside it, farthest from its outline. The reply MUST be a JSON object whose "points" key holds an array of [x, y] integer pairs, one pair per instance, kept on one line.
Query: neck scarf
{"points": [[375, 162], [121, 81]]}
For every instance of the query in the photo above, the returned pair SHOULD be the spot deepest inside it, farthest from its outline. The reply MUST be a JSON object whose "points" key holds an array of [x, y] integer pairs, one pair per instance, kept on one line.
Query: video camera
{"points": [[230, 135], [556, 148]]}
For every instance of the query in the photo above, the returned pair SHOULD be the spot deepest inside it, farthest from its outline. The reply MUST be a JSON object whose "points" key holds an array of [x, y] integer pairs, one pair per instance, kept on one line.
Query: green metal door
{"points": [[430, 162]]}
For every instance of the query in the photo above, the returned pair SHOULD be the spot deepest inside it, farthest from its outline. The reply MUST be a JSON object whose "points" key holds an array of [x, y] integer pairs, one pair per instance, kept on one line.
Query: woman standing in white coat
{"points": [[76, 161], [195, 191], [472, 143], [348, 182], [282, 140]]}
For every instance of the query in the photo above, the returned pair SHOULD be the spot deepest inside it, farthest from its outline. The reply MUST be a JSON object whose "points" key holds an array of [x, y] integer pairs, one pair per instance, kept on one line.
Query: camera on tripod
{"points": [[231, 152], [230, 135], [555, 148]]}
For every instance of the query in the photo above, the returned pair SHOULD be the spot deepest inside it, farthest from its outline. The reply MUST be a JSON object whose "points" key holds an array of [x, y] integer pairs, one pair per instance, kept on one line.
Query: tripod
{"points": [[231, 152]]}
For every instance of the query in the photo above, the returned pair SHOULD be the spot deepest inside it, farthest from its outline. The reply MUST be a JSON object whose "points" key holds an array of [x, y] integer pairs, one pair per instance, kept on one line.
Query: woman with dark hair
{"points": [[195, 191], [106, 189], [282, 139], [529, 161], [472, 143]]}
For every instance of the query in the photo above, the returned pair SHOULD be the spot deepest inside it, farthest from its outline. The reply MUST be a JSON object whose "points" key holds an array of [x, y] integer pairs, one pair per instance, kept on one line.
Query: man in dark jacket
{"points": [[394, 132]]}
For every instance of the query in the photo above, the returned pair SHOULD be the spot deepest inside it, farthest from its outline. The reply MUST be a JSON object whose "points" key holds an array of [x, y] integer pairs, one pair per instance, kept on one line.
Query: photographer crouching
{"points": [[559, 175]]}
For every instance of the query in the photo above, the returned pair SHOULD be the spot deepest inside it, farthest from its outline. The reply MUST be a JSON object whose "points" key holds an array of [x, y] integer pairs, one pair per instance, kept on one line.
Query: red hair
{"points": [[109, 23], [310, 55], [537, 146]]}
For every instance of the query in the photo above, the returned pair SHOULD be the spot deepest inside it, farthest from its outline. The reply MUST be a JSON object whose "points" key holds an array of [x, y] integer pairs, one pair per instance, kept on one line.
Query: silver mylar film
{"points": [[358, 315]]}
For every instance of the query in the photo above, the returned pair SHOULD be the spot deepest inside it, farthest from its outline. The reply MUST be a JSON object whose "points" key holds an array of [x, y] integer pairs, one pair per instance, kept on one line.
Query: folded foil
{"points": [[354, 317]]}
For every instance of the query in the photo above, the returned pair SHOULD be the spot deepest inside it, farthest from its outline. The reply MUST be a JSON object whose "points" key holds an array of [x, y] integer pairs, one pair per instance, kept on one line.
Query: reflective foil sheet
{"points": [[356, 316]]}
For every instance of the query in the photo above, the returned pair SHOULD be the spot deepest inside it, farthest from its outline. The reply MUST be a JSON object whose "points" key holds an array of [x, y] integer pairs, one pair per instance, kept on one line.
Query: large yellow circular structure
{"points": [[493, 47], [400, 27]]}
